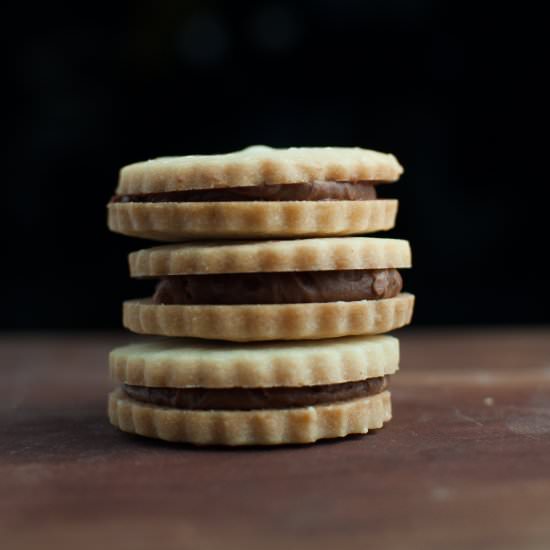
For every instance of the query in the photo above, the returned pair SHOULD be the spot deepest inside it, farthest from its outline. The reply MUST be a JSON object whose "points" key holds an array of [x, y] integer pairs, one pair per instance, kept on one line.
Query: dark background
{"points": [[452, 90]]}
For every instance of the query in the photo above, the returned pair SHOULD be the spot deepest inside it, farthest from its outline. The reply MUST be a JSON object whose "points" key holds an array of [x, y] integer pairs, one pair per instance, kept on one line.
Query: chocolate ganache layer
{"points": [[279, 288], [256, 398], [315, 191]]}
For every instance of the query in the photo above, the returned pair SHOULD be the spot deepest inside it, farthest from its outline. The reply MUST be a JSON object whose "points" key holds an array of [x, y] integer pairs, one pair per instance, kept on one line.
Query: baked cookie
{"points": [[272, 290], [209, 393], [258, 192]]}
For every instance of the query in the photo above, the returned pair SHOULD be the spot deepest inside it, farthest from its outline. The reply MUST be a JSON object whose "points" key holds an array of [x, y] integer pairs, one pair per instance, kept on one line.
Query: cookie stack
{"points": [[260, 341]]}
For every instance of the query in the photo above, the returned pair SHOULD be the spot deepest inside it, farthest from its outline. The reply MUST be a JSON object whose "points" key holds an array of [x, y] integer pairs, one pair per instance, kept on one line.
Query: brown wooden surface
{"points": [[465, 463]]}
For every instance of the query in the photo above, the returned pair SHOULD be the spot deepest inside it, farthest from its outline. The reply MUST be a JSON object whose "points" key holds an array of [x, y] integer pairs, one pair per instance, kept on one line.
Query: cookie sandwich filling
{"points": [[313, 191], [291, 287], [256, 398]]}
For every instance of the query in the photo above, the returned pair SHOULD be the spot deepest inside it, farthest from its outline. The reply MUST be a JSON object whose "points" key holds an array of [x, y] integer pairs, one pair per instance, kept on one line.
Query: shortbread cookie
{"points": [[269, 290], [257, 192], [255, 166], [247, 323], [210, 257], [179, 363], [253, 427], [177, 221], [219, 393]]}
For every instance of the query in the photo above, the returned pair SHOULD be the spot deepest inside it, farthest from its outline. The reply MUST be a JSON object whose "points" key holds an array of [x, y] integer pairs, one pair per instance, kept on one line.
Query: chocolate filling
{"points": [[294, 287], [315, 191], [256, 398]]}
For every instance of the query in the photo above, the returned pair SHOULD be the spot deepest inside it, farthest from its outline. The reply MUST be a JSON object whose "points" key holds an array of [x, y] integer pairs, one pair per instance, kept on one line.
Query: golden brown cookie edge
{"points": [[256, 427], [318, 254], [258, 165], [173, 222], [247, 323]]}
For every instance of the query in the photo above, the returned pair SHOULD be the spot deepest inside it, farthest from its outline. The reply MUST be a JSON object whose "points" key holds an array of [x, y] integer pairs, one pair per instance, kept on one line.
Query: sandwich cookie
{"points": [[258, 192], [272, 290], [209, 393]]}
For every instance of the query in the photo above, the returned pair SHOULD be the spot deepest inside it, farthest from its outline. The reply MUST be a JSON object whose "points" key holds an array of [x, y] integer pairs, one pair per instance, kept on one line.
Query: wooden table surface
{"points": [[465, 463]]}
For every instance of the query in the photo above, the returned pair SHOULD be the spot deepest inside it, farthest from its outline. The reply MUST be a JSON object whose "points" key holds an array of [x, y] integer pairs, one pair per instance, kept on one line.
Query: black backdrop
{"points": [[452, 90]]}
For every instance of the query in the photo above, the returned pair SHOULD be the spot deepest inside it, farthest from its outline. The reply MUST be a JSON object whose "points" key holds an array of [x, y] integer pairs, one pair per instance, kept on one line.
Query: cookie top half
{"points": [[258, 165], [174, 362], [345, 253]]}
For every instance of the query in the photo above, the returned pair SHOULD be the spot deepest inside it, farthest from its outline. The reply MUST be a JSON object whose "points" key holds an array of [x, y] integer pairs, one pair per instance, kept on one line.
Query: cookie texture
{"points": [[258, 165], [177, 221], [271, 256], [247, 323], [185, 363], [254, 427]]}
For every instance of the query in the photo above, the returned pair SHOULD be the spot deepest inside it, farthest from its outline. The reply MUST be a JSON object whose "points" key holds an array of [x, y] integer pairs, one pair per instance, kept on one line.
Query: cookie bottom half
{"points": [[177, 221], [247, 323], [253, 427]]}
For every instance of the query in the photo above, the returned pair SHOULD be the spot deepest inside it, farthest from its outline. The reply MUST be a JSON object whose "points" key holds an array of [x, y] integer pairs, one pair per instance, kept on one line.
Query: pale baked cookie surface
{"points": [[258, 165], [177, 221], [180, 363], [271, 256], [247, 323], [252, 427]]}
